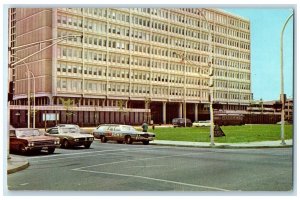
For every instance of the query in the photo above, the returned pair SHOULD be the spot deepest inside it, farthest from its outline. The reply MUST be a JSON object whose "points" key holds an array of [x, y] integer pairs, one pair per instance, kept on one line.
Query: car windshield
{"points": [[68, 130], [102, 128], [28, 133], [69, 126]]}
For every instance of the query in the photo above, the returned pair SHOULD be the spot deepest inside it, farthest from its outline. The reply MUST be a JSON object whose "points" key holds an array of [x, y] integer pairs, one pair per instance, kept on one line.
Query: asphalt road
{"points": [[137, 167]]}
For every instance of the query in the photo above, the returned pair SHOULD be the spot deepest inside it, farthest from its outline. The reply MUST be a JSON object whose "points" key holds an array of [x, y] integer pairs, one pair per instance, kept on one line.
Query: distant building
{"points": [[269, 111], [126, 58]]}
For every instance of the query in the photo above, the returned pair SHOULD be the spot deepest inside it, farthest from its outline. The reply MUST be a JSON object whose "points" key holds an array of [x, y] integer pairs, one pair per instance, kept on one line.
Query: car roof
{"points": [[66, 125]]}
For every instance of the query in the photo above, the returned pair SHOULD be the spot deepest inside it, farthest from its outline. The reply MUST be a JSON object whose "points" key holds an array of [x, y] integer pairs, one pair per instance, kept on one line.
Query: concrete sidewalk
{"points": [[17, 163], [264, 144]]}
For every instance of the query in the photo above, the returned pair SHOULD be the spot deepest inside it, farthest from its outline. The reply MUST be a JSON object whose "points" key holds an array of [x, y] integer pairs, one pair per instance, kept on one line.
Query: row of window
{"points": [[231, 74], [119, 15], [124, 60], [102, 27], [231, 96], [77, 70], [96, 56], [116, 88], [232, 85]]}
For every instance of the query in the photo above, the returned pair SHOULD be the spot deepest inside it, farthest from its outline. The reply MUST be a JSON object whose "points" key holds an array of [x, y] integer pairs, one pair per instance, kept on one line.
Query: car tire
{"points": [[22, 149], [87, 146], [120, 142], [103, 139], [66, 144], [128, 140], [145, 142], [51, 150]]}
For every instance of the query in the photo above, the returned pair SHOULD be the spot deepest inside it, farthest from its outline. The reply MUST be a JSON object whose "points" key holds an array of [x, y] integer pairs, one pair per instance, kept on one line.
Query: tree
{"points": [[147, 106], [124, 111], [68, 105]]}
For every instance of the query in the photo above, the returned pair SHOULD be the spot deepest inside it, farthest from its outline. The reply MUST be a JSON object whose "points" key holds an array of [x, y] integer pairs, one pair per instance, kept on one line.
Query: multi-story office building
{"points": [[105, 55]]}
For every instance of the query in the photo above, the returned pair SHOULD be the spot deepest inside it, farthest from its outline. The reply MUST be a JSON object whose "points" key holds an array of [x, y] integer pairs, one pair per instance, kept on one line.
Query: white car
{"points": [[201, 123]]}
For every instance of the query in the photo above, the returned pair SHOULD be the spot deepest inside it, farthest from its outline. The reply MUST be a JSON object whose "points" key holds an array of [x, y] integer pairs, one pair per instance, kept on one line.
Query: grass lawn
{"points": [[234, 134]]}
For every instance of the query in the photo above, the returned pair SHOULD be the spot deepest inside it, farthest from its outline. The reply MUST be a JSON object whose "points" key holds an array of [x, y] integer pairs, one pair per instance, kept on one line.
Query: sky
{"points": [[265, 28]]}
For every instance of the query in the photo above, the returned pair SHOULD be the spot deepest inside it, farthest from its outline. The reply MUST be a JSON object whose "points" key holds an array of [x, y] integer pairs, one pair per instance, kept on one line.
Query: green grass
{"points": [[234, 134]]}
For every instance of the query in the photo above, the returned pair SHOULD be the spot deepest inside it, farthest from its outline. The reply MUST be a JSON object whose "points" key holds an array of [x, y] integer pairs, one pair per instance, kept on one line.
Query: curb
{"points": [[224, 146], [18, 168]]}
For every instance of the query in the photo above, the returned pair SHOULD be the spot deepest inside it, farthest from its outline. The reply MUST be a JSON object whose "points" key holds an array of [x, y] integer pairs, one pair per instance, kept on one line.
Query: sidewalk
{"points": [[17, 163], [264, 144]]}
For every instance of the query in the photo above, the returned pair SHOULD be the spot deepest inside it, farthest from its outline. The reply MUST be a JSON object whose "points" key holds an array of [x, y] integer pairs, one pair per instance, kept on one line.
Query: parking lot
{"points": [[137, 167]]}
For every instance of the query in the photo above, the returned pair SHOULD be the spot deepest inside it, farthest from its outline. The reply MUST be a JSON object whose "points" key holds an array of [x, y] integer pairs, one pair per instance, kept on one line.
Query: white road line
{"points": [[63, 158], [76, 154], [144, 166], [155, 179], [120, 151], [123, 161]]}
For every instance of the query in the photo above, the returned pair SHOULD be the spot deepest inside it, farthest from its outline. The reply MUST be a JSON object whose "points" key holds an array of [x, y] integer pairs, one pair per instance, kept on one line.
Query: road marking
{"points": [[144, 166], [76, 153], [156, 179], [24, 184], [119, 151], [65, 157], [123, 161]]}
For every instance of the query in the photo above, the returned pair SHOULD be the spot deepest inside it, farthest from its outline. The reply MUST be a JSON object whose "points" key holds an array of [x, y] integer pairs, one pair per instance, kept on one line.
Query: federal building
{"points": [[127, 65]]}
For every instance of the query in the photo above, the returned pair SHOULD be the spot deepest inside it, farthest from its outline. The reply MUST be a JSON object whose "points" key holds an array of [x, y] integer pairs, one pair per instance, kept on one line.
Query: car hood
{"points": [[76, 135], [37, 138]]}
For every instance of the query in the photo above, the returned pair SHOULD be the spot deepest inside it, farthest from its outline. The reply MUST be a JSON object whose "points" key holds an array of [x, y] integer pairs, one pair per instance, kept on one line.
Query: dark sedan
{"points": [[26, 140], [122, 133]]}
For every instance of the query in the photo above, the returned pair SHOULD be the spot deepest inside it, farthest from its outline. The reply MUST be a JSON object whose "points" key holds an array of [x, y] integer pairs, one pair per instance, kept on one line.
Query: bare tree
{"points": [[124, 111], [147, 106], [68, 105]]}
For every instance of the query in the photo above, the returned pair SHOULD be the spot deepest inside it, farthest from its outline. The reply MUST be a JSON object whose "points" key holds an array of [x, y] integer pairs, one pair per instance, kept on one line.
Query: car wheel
{"points": [[103, 139], [65, 144], [87, 146], [145, 142], [51, 150], [120, 142], [128, 140]]}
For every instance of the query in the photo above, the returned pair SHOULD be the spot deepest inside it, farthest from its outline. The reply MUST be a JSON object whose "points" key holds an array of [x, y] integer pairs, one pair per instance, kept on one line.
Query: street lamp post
{"points": [[28, 94], [282, 85], [212, 143]]}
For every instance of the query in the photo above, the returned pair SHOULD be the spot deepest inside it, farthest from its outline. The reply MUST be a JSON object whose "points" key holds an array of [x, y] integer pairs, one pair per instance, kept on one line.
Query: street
{"points": [[137, 167]]}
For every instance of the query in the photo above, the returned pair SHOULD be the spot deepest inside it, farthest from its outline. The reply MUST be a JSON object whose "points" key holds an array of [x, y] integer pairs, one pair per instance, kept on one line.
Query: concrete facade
{"points": [[132, 54]]}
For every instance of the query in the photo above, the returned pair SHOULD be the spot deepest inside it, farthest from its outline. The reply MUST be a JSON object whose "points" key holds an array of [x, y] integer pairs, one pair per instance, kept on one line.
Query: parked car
{"points": [[99, 131], [26, 140], [180, 122], [71, 136], [122, 133], [201, 123]]}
